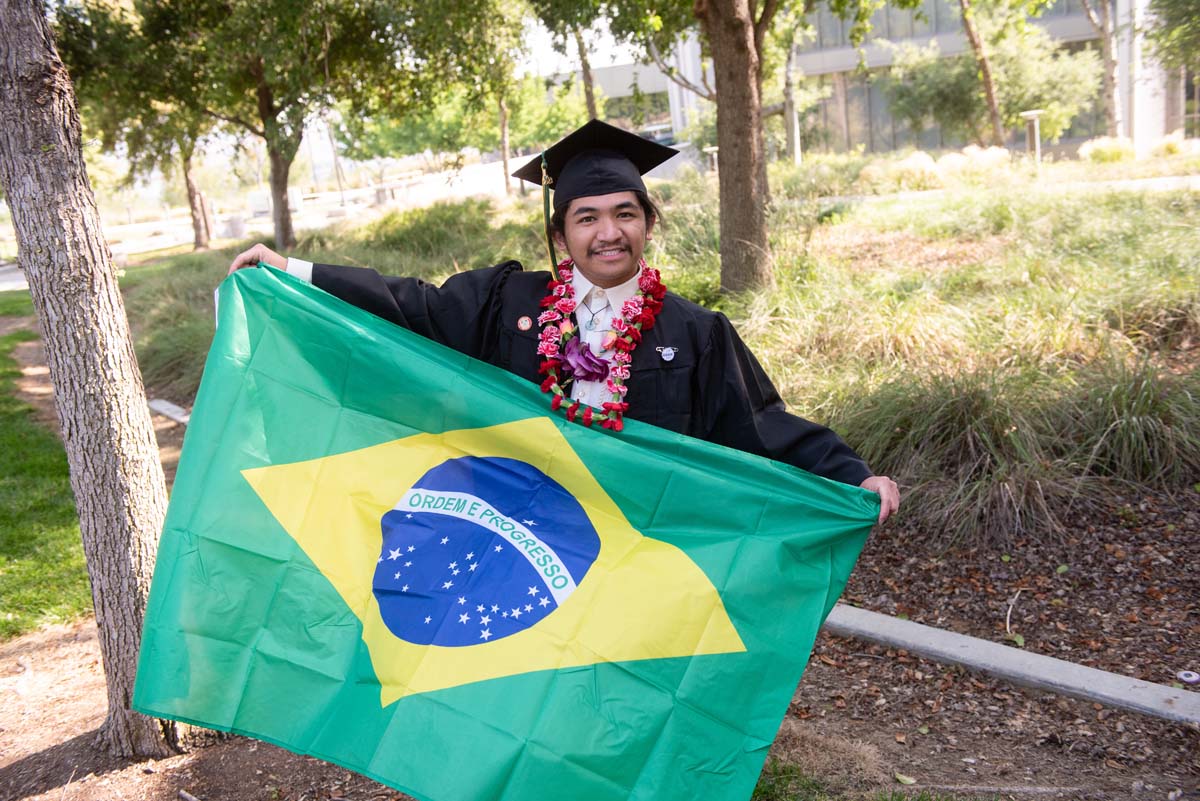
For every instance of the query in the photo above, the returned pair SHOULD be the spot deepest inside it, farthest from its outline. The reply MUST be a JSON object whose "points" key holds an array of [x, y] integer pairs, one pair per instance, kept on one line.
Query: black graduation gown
{"points": [[713, 388]]}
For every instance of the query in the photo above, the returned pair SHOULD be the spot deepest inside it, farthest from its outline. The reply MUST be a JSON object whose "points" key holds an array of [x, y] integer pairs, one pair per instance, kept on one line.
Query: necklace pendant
{"points": [[591, 324]]}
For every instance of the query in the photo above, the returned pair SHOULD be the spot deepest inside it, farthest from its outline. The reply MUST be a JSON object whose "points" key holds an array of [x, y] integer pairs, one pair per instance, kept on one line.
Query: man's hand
{"points": [[889, 494], [251, 258]]}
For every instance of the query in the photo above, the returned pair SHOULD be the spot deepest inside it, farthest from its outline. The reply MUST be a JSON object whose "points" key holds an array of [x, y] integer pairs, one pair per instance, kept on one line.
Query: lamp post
{"points": [[1033, 136]]}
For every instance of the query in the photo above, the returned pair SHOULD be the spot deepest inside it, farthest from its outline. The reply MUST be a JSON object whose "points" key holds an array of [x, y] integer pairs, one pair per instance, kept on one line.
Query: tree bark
{"points": [[1099, 13], [791, 120], [504, 154], [585, 69], [195, 205], [114, 466], [985, 71], [742, 177], [281, 213]]}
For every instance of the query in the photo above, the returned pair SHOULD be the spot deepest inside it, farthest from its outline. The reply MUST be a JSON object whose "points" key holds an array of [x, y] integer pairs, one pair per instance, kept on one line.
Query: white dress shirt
{"points": [[596, 307]]}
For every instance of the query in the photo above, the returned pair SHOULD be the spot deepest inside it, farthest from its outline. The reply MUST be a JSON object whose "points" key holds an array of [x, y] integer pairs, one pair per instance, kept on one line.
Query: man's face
{"points": [[605, 235]]}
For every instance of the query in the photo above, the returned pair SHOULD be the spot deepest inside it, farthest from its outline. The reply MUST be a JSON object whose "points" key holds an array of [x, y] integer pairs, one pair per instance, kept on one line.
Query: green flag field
{"points": [[388, 555]]}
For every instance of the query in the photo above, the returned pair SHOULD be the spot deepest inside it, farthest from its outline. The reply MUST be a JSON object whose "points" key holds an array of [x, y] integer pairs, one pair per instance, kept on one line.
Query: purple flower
{"points": [[580, 362]]}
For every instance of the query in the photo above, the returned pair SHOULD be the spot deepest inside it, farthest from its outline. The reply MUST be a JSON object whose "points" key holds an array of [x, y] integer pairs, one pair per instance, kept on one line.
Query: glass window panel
{"points": [[946, 17], [879, 24], [882, 133], [858, 113], [923, 24], [900, 23]]}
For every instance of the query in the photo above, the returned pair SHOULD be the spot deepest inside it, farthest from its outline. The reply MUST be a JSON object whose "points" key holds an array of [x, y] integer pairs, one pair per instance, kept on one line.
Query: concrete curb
{"points": [[1016, 665], [169, 410]]}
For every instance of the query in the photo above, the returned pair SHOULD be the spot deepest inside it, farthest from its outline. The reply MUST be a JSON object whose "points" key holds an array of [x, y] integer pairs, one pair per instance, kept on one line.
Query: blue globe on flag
{"points": [[480, 549]]}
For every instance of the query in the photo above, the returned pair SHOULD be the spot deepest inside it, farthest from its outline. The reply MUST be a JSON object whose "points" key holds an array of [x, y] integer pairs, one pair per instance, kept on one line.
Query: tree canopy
{"points": [[1031, 72], [1175, 32]]}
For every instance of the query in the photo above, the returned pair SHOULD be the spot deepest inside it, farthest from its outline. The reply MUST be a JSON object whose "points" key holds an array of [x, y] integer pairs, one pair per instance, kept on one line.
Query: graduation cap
{"points": [[596, 159]]}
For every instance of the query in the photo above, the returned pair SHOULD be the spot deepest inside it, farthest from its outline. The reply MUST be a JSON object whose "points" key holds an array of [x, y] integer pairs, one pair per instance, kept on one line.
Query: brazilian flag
{"points": [[393, 557]]}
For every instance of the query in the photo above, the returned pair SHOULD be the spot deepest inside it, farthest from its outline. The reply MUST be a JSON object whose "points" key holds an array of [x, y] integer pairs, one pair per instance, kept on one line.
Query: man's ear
{"points": [[650, 227], [559, 239]]}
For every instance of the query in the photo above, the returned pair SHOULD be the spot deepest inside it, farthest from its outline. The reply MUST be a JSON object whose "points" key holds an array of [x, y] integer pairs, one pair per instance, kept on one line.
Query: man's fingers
{"points": [[247, 258]]}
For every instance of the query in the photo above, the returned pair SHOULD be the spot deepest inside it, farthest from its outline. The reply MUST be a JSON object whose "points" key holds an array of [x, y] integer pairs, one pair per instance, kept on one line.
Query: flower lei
{"points": [[636, 316]]}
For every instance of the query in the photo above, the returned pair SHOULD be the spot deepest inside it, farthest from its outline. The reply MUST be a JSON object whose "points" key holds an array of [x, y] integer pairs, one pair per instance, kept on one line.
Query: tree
{"points": [[735, 35], [122, 89], [573, 19], [1174, 32], [1100, 15], [264, 66], [1031, 72], [115, 471], [988, 82]]}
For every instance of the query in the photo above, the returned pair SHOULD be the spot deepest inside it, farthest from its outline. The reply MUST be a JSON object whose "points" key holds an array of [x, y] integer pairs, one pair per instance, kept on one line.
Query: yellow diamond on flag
{"points": [[415, 537]]}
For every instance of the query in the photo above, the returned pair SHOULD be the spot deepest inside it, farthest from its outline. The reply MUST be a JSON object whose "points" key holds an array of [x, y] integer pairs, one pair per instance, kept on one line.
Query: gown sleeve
{"points": [[463, 313], [741, 408]]}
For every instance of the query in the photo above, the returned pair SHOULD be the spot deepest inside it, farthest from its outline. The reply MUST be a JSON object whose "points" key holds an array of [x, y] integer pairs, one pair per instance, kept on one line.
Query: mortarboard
{"points": [[596, 159]]}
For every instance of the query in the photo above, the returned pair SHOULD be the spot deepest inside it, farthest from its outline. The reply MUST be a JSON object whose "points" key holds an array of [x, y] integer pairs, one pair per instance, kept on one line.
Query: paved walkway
{"points": [[11, 278]]}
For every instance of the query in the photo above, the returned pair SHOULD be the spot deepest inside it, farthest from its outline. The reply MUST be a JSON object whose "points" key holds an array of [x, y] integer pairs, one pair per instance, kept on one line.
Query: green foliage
{"points": [[1174, 31], [1030, 70], [1107, 150], [998, 352], [42, 574], [130, 91]]}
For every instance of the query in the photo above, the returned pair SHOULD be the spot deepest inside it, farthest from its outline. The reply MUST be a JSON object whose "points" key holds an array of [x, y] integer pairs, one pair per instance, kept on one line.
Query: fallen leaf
{"points": [[900, 777], [923, 729], [900, 737], [1061, 569]]}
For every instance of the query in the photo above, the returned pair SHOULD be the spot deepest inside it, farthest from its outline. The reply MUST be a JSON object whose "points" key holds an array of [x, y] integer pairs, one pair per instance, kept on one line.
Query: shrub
{"points": [[1107, 149]]}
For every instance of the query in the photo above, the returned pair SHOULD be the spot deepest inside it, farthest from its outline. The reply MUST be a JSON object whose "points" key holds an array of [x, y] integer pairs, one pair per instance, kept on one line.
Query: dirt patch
{"points": [[34, 387], [869, 250]]}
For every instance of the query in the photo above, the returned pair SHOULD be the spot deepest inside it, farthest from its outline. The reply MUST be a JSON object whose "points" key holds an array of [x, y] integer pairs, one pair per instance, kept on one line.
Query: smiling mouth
{"points": [[609, 252]]}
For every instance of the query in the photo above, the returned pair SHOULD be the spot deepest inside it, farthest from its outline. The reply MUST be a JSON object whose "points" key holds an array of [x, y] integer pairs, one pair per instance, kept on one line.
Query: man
{"points": [[606, 331]]}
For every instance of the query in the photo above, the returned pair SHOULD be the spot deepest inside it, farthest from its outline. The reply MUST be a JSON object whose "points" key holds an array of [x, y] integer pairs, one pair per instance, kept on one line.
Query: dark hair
{"points": [[558, 219]]}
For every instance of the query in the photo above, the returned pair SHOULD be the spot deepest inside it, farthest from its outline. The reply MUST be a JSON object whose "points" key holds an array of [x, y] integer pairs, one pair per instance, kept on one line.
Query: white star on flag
{"points": [[452, 565], [455, 572], [470, 556], [397, 575], [427, 619], [495, 608], [463, 618], [445, 540], [483, 635], [412, 548], [544, 602], [499, 548], [528, 607], [517, 613], [404, 588], [485, 620], [479, 608], [394, 553], [473, 566], [408, 564], [532, 591], [529, 522], [461, 600], [447, 585]]}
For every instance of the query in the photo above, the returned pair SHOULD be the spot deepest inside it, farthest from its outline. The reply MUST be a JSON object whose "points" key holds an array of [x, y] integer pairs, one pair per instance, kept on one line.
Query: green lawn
{"points": [[42, 573]]}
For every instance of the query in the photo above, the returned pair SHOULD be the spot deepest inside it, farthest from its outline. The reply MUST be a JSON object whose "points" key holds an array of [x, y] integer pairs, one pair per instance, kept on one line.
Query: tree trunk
{"points": [[195, 206], [1102, 23], [742, 177], [115, 471], [504, 142], [585, 68], [791, 119], [985, 71], [281, 214]]}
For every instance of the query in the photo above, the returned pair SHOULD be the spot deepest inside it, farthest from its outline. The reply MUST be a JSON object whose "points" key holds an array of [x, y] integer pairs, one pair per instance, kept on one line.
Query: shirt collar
{"points": [[617, 295]]}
